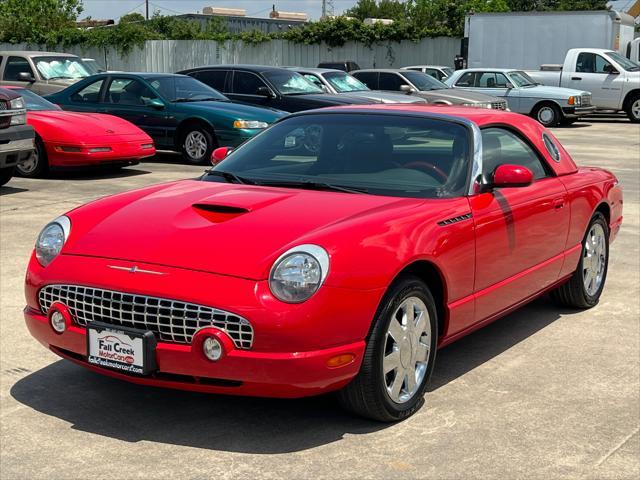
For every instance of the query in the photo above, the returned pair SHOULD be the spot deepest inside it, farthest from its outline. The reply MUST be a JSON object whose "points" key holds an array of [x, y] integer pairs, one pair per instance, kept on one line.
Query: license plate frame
{"points": [[127, 350]]}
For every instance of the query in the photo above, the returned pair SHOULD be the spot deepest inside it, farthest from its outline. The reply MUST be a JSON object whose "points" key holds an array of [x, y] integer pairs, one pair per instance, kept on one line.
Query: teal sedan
{"points": [[178, 112]]}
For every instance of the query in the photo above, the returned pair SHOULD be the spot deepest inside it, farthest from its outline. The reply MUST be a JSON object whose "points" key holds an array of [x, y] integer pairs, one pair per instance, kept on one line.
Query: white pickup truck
{"points": [[613, 80]]}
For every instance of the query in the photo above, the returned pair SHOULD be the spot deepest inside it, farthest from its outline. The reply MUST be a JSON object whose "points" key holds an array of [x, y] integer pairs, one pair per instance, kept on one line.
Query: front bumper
{"points": [[16, 143], [573, 112], [292, 344], [130, 151]]}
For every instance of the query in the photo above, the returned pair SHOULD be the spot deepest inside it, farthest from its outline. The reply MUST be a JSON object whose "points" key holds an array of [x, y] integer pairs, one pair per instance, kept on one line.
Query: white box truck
{"points": [[526, 40]]}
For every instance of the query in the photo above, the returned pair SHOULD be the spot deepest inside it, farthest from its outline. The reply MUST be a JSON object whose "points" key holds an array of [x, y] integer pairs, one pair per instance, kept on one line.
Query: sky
{"points": [[103, 9]]}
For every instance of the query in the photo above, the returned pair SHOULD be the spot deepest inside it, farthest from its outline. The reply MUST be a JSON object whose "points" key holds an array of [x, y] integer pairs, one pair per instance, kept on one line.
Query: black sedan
{"points": [[265, 86]]}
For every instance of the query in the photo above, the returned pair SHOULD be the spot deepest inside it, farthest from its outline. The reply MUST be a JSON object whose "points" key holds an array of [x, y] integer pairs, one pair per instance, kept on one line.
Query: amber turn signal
{"points": [[340, 360]]}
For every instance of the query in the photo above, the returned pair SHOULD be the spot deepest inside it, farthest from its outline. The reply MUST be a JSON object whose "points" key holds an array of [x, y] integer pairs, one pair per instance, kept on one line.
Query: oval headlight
{"points": [[299, 273], [51, 240]]}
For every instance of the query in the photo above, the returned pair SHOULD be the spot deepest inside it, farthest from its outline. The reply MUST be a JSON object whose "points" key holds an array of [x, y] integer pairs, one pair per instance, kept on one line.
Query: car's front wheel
{"points": [[36, 164], [585, 286], [197, 144], [548, 114], [399, 357]]}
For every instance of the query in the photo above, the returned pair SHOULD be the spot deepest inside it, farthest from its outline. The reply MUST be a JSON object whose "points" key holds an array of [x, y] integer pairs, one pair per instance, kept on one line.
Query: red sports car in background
{"points": [[336, 251], [71, 139]]}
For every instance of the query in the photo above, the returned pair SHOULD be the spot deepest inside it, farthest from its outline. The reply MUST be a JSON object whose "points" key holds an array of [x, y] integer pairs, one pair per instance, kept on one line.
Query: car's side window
{"points": [[493, 80], [370, 79], [214, 78], [592, 63], [88, 94], [391, 81], [15, 66], [246, 83], [128, 91], [501, 146], [433, 72], [466, 80]]}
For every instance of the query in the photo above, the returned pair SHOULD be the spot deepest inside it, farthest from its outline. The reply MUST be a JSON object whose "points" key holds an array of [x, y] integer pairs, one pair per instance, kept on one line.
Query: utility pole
{"points": [[327, 8], [146, 8]]}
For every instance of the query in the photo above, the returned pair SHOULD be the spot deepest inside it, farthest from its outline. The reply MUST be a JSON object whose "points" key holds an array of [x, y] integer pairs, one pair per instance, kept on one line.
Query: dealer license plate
{"points": [[119, 348]]}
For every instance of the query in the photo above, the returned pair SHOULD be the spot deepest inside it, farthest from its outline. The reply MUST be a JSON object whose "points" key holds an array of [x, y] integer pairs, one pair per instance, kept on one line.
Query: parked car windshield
{"points": [[52, 68], [423, 81], [185, 89], [379, 154], [448, 71], [35, 102], [92, 66], [521, 79], [625, 63], [291, 83], [343, 82]]}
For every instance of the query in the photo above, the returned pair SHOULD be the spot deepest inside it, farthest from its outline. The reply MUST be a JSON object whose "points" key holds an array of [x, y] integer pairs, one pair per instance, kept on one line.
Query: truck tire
{"points": [[548, 114], [633, 108], [5, 175]]}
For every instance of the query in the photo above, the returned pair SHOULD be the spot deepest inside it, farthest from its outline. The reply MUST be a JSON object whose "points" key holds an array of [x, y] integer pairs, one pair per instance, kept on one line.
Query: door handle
{"points": [[558, 203], [576, 78]]}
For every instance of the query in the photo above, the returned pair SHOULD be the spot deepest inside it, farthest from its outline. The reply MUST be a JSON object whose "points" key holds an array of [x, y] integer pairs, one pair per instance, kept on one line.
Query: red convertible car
{"points": [[71, 139], [335, 251]]}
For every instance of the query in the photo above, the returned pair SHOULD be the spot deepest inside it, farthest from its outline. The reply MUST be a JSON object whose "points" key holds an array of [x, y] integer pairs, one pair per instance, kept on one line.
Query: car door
{"points": [[593, 74], [13, 68], [85, 97], [245, 86], [392, 82], [520, 232], [215, 78], [133, 100], [370, 79]]}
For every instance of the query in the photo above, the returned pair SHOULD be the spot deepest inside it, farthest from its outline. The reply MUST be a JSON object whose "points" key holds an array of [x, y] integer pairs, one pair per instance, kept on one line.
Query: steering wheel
{"points": [[428, 168]]}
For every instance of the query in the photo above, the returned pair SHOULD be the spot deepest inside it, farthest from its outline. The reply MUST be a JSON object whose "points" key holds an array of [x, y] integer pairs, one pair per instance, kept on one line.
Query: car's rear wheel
{"points": [[36, 164], [399, 357], [584, 288], [6, 174], [548, 114], [633, 108], [197, 144]]}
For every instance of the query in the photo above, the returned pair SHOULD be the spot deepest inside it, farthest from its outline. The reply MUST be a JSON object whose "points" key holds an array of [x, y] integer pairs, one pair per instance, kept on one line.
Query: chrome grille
{"points": [[499, 105], [585, 100], [3, 105], [171, 320]]}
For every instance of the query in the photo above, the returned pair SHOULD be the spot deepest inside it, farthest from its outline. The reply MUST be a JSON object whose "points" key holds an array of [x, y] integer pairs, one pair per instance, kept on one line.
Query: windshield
{"points": [[51, 68], [424, 82], [343, 82], [185, 89], [291, 83], [92, 66], [625, 63], [35, 102], [521, 79], [447, 71], [379, 154]]}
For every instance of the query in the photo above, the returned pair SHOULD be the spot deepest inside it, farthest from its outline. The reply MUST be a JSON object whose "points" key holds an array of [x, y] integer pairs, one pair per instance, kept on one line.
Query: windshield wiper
{"points": [[59, 78], [313, 185], [206, 99], [231, 177]]}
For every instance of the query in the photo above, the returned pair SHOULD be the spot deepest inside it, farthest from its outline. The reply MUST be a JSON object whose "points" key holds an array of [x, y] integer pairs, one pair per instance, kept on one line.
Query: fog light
{"points": [[212, 348], [57, 322]]}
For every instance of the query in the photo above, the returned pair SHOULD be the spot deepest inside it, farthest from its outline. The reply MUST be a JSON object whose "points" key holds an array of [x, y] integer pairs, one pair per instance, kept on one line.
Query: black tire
{"points": [[37, 169], [205, 135], [367, 394], [6, 174], [573, 293], [633, 108], [548, 114]]}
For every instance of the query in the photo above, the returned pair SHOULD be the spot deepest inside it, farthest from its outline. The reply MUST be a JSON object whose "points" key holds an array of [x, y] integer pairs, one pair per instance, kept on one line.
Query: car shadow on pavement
{"points": [[8, 190], [95, 173], [132, 413]]}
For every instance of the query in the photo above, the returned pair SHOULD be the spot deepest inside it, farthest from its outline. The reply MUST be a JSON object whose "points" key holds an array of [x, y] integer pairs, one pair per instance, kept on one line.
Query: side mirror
{"points": [[264, 92], [407, 89], [156, 103], [220, 154], [26, 77], [510, 176], [611, 70]]}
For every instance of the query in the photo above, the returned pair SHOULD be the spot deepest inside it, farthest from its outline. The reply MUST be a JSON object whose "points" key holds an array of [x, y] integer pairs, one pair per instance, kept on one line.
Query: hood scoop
{"points": [[218, 213]]}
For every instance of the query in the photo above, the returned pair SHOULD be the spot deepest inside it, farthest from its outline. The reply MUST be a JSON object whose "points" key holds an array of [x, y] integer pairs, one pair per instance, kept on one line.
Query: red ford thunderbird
{"points": [[71, 139], [336, 251]]}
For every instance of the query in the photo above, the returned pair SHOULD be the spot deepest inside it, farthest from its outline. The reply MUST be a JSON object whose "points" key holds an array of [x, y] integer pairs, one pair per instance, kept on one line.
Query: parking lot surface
{"points": [[542, 393]]}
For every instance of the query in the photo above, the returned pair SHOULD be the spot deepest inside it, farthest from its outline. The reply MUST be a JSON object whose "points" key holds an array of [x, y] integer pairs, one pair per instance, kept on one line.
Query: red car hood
{"points": [[236, 230], [85, 128]]}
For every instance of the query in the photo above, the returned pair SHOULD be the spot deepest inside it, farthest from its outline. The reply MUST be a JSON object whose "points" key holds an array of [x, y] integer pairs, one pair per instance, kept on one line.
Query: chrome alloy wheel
{"points": [[635, 109], [29, 164], [594, 259], [195, 144], [407, 346], [546, 115]]}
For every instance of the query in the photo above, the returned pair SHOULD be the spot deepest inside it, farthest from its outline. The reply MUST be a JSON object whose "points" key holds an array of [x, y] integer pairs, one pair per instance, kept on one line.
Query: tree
{"points": [[134, 17], [393, 9], [32, 21]]}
